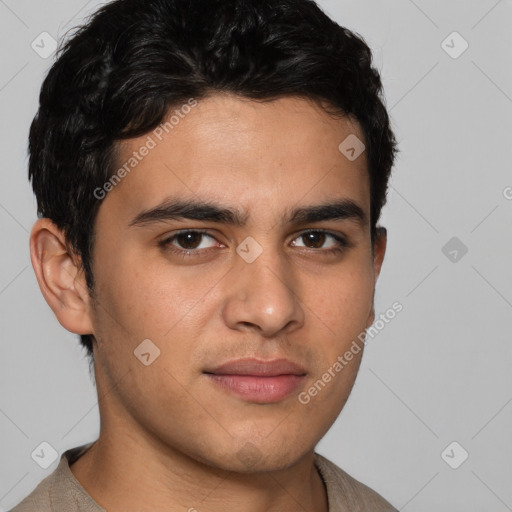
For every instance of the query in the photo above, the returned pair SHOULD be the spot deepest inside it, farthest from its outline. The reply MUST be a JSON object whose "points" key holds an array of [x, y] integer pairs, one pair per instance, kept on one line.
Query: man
{"points": [[209, 178]]}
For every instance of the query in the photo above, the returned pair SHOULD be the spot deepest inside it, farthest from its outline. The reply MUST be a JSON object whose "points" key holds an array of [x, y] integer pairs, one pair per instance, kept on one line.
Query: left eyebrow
{"points": [[176, 209], [337, 210]]}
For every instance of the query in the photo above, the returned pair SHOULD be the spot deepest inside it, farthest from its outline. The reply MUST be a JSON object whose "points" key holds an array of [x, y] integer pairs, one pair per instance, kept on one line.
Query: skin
{"points": [[170, 439]]}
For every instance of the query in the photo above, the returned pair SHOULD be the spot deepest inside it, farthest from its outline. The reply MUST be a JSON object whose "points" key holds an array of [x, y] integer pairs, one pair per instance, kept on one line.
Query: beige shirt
{"points": [[61, 492]]}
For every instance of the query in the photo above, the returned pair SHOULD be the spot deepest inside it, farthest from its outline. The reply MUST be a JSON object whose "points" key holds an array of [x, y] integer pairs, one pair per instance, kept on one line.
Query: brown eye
{"points": [[315, 239], [187, 242]]}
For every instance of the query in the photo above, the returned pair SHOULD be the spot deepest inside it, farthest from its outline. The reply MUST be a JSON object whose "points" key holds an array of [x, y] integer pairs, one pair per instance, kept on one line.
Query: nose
{"points": [[263, 296]]}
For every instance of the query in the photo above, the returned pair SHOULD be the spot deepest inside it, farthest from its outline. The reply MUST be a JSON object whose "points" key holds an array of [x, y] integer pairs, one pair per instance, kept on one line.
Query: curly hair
{"points": [[119, 74]]}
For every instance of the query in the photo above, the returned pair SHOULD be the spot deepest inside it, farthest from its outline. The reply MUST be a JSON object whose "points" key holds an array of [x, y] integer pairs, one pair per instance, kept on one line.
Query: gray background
{"points": [[438, 372]]}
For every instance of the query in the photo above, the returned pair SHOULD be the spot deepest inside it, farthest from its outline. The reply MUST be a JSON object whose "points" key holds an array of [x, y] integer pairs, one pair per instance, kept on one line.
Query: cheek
{"points": [[344, 302], [170, 307], [146, 298], [341, 315]]}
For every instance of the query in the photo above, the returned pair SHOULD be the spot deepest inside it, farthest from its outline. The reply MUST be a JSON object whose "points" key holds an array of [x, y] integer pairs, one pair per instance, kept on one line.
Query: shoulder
{"points": [[346, 493], [39, 499], [60, 491]]}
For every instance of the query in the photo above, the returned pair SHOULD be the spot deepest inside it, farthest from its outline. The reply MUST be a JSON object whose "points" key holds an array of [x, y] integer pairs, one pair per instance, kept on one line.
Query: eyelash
{"points": [[166, 243]]}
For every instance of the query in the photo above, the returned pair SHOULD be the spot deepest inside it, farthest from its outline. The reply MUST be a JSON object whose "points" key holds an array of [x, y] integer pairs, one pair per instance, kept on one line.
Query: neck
{"points": [[122, 474]]}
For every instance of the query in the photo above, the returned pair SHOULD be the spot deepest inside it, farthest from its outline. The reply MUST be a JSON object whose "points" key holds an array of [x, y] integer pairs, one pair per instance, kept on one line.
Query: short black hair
{"points": [[118, 75]]}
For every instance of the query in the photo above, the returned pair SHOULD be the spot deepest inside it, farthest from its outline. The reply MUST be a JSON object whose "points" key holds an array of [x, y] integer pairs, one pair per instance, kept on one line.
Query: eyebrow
{"points": [[178, 209]]}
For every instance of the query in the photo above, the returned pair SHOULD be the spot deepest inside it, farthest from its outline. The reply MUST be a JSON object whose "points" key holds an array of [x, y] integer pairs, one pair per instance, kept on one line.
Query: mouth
{"points": [[257, 380]]}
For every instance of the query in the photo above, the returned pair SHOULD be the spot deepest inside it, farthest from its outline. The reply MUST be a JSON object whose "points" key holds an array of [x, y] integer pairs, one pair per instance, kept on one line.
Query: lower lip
{"points": [[259, 389]]}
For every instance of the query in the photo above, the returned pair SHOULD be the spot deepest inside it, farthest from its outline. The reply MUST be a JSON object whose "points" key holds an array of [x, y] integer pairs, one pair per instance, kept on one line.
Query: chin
{"points": [[253, 458]]}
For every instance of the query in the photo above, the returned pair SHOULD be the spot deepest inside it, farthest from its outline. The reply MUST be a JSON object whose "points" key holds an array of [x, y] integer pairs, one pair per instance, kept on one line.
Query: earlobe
{"points": [[60, 279]]}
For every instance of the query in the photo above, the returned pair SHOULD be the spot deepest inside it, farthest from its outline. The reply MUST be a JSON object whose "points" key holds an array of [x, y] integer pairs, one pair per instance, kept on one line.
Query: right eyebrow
{"points": [[175, 209]]}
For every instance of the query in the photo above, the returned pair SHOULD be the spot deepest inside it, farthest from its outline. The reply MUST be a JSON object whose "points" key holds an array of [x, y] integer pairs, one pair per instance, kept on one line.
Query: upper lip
{"points": [[258, 367]]}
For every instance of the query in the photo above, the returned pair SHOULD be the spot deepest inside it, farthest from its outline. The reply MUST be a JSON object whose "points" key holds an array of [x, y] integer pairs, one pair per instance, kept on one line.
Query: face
{"points": [[254, 281]]}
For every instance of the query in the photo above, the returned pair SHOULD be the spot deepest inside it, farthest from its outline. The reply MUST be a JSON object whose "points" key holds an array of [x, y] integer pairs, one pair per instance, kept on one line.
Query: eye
{"points": [[187, 242], [317, 239]]}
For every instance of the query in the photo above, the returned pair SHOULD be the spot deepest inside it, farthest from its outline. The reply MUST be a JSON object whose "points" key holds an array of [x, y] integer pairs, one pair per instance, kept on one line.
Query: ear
{"points": [[58, 273], [379, 250]]}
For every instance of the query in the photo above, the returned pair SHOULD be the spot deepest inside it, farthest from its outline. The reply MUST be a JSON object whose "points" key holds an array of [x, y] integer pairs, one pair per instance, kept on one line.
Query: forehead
{"points": [[255, 155]]}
